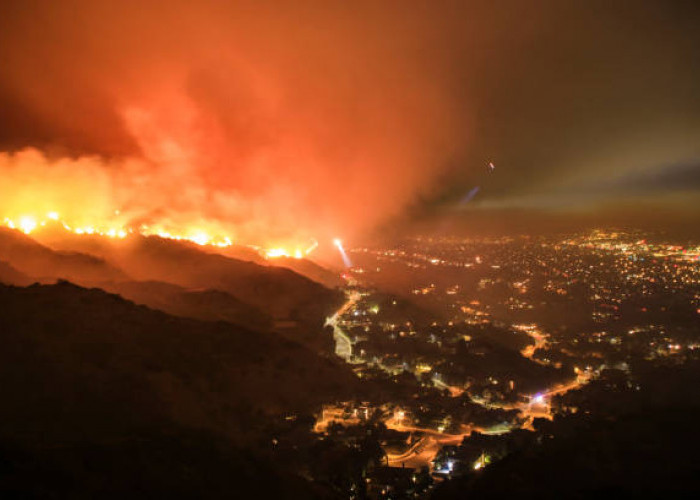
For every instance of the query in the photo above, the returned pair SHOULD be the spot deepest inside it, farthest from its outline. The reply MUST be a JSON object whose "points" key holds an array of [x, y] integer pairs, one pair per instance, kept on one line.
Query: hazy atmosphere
{"points": [[285, 122], [366, 250]]}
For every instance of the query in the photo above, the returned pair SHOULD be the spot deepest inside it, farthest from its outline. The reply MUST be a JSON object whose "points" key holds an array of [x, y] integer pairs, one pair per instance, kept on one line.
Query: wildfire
{"points": [[30, 223], [276, 252]]}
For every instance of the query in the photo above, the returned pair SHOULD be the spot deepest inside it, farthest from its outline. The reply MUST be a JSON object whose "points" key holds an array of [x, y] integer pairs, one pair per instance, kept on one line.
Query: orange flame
{"points": [[31, 223]]}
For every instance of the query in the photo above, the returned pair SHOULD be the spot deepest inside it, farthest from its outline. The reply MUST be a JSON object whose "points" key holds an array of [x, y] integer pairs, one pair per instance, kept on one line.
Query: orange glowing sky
{"points": [[270, 125], [283, 123]]}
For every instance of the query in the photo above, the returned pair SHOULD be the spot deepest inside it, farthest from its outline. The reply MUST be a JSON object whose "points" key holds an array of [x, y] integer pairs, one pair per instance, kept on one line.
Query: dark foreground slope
{"points": [[210, 305], [104, 398], [84, 343]]}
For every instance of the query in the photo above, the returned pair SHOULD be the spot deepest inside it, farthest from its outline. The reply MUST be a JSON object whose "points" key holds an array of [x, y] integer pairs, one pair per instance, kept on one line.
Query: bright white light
{"points": [[339, 245], [276, 252], [27, 224], [539, 398], [200, 238]]}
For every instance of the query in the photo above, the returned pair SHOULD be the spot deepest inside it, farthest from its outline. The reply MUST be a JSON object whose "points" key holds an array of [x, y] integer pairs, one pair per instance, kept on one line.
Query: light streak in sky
{"points": [[343, 254], [469, 196]]}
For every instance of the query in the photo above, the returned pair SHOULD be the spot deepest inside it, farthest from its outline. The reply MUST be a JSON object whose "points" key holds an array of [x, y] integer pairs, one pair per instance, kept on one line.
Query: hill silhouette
{"points": [[104, 398], [210, 285], [11, 276], [97, 352], [210, 305], [42, 263]]}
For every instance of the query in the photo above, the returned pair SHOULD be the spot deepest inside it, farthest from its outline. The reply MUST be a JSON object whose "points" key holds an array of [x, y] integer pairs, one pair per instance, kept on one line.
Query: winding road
{"points": [[423, 451]]}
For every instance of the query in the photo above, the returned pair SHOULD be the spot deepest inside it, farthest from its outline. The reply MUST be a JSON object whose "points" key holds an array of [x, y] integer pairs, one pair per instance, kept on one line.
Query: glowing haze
{"points": [[284, 123], [267, 125]]}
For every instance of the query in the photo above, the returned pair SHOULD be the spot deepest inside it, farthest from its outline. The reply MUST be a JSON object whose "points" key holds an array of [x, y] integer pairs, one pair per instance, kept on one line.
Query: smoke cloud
{"points": [[277, 121], [269, 122]]}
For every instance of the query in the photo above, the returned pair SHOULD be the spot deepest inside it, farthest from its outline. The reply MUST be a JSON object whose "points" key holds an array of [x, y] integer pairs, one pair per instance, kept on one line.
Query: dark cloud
{"points": [[596, 89], [674, 178]]}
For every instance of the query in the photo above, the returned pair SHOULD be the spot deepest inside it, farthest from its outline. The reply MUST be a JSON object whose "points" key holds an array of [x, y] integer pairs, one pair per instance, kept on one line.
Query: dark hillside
{"points": [[78, 362], [103, 398]]}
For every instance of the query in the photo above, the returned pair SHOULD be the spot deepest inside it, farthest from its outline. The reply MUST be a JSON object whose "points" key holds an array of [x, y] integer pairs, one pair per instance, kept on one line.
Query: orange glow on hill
{"points": [[30, 223]]}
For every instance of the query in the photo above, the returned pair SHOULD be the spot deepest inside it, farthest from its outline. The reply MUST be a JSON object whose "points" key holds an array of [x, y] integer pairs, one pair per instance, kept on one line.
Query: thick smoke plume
{"points": [[271, 123]]}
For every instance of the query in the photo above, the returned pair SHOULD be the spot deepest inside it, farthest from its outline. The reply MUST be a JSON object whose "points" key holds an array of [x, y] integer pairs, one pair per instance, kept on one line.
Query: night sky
{"points": [[318, 119]]}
